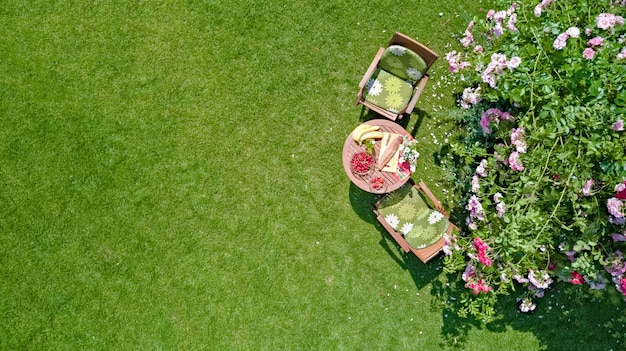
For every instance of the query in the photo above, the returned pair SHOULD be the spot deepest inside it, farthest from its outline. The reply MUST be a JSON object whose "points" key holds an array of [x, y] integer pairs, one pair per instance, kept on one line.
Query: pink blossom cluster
{"points": [[619, 125], [480, 172], [468, 39], [481, 169], [621, 55], [520, 279], [606, 21], [515, 162], [500, 17], [475, 184], [589, 54], [450, 242], [541, 280], [493, 115], [561, 40], [577, 278], [615, 204], [587, 187], [541, 6], [496, 67], [470, 97], [455, 63], [476, 211], [478, 286], [472, 281], [520, 148], [527, 305], [482, 248], [596, 41], [500, 206], [517, 139]]}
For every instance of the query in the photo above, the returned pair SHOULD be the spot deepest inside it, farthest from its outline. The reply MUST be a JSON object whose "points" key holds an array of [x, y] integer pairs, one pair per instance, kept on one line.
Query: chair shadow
{"points": [[421, 273], [367, 114], [362, 203], [421, 116]]}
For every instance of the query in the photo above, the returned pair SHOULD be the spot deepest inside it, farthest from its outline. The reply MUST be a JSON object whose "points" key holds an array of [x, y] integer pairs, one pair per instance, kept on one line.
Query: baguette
{"points": [[394, 142]]}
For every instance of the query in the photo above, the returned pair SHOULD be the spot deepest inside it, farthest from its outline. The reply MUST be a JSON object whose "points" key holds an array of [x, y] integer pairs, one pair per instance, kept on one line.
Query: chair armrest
{"points": [[395, 235], [432, 198], [372, 68], [452, 227], [418, 91]]}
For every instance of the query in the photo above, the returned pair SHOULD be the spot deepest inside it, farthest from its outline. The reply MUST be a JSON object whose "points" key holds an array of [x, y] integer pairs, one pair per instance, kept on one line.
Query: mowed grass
{"points": [[171, 178]]}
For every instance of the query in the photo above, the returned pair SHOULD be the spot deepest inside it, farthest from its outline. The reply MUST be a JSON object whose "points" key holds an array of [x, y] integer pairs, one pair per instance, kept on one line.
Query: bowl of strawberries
{"points": [[361, 163]]}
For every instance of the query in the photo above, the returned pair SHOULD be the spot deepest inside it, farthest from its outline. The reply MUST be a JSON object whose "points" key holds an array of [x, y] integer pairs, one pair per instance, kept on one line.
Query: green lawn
{"points": [[171, 178]]}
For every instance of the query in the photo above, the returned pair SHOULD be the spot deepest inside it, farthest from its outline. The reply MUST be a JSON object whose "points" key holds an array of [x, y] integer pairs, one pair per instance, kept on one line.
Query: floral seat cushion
{"points": [[388, 91], [407, 212], [403, 63]]}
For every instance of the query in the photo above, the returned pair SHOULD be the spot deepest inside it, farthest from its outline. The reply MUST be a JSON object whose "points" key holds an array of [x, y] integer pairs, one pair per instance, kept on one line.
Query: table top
{"points": [[351, 147]]}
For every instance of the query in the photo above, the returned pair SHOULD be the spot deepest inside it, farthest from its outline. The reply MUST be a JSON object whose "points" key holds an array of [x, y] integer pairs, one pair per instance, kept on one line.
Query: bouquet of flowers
{"points": [[408, 153]]}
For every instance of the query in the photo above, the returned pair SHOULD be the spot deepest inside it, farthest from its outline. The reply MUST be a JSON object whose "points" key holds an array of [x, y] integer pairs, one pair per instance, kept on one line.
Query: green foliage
{"points": [[545, 129]]}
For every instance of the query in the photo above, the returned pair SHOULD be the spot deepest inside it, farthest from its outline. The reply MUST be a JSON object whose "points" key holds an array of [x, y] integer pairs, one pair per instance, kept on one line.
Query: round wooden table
{"points": [[351, 147]]}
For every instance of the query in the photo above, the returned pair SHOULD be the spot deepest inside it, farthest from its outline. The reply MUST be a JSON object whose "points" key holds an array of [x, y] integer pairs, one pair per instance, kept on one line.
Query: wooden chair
{"points": [[425, 239], [396, 77]]}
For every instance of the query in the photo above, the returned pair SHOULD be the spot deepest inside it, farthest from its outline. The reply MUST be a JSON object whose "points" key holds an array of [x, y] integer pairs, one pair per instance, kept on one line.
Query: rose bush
{"points": [[539, 160]]}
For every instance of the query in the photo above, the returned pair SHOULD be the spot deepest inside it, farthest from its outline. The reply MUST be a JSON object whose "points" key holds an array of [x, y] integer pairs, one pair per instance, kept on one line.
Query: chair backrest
{"points": [[425, 53], [403, 63]]}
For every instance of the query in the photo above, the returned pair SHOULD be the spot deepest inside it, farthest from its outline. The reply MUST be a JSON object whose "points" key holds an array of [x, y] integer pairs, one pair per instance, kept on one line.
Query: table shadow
{"points": [[361, 202]]}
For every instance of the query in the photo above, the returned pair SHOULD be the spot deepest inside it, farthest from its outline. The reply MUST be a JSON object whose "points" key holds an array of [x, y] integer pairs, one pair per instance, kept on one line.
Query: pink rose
{"points": [[560, 41], [514, 161], [603, 21], [573, 32], [588, 53], [597, 41]]}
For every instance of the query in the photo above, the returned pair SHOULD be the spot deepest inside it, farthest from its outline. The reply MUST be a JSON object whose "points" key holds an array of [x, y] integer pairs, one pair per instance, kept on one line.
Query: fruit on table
{"points": [[378, 183], [371, 135], [361, 162], [364, 132]]}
